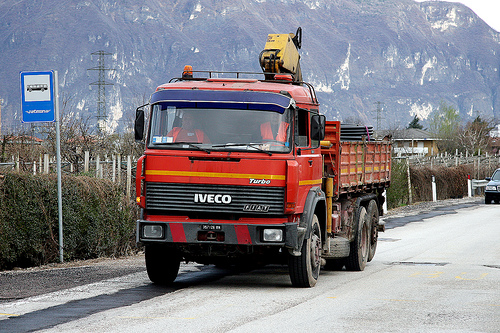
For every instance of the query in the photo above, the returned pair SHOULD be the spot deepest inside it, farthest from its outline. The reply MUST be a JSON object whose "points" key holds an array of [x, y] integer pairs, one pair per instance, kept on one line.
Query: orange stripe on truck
{"points": [[211, 174]]}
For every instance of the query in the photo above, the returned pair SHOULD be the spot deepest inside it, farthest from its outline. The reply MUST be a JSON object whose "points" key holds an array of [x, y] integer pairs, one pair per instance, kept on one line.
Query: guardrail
{"points": [[474, 184], [479, 183]]}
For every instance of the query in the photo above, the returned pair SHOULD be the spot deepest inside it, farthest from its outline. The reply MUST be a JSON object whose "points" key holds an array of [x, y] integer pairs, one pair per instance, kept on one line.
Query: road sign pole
{"points": [[58, 153], [40, 103]]}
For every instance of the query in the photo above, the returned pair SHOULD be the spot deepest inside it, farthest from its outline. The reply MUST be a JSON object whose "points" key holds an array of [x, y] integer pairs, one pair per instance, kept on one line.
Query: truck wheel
{"points": [[304, 269], [162, 264], [360, 246], [372, 213]]}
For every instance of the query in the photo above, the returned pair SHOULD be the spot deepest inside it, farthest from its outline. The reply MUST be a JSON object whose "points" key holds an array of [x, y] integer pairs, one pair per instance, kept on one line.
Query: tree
{"points": [[79, 134], [22, 146], [445, 124], [354, 120], [415, 123], [475, 135]]}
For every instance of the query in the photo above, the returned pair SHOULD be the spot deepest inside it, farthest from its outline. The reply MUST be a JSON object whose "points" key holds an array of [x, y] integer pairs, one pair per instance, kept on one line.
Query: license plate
{"points": [[211, 227]]}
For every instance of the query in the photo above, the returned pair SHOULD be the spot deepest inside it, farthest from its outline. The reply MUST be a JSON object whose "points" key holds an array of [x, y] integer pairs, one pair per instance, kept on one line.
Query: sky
{"points": [[488, 10]]}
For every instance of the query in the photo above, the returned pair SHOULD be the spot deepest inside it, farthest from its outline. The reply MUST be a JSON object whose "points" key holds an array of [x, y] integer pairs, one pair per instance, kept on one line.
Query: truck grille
{"points": [[243, 200]]}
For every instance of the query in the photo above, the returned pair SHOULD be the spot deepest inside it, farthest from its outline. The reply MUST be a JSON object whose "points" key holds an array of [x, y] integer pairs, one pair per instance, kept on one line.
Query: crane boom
{"points": [[281, 55]]}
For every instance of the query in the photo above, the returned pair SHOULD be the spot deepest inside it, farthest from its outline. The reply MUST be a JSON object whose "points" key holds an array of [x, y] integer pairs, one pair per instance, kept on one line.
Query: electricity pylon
{"points": [[379, 114], [101, 84]]}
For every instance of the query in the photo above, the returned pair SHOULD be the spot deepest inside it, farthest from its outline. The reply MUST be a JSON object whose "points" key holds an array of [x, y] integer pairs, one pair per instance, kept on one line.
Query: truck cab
{"points": [[227, 168]]}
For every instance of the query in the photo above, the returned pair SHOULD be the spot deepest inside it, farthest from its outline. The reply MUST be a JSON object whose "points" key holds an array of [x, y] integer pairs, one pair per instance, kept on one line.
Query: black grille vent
{"points": [[181, 197]]}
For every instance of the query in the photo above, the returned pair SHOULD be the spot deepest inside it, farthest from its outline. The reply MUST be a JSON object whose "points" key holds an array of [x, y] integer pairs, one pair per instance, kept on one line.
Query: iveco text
{"points": [[212, 198]]}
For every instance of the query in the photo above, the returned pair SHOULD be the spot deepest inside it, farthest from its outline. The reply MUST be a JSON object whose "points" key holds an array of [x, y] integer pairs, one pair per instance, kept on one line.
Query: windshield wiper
{"points": [[190, 144], [253, 145]]}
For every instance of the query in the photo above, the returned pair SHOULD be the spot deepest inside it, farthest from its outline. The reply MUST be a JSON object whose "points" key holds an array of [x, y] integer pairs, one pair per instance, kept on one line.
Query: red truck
{"points": [[241, 170]]}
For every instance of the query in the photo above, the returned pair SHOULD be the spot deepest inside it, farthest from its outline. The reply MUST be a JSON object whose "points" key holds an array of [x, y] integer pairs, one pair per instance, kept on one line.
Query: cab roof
{"points": [[224, 99], [244, 90]]}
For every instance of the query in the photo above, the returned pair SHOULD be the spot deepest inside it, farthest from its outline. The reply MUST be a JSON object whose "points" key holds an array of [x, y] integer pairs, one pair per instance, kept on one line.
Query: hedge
{"points": [[97, 219], [451, 182], [397, 193]]}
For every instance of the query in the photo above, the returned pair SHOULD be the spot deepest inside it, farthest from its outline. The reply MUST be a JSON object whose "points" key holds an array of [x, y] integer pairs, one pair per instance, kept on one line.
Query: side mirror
{"points": [[139, 123], [318, 123]]}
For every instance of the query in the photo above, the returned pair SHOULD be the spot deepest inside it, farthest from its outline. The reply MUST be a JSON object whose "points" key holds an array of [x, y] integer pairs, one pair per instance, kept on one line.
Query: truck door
{"points": [[308, 156]]}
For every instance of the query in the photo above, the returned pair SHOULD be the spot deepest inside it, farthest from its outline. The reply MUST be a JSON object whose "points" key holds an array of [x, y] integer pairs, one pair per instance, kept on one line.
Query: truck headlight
{"points": [[272, 235], [491, 188], [152, 231]]}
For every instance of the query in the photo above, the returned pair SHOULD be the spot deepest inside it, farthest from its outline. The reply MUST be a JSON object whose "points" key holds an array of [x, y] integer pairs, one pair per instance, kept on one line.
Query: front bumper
{"points": [[492, 195], [214, 233]]}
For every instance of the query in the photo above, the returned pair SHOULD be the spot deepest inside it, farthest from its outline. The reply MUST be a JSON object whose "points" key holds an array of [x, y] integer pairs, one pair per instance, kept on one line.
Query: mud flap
{"points": [[314, 197]]}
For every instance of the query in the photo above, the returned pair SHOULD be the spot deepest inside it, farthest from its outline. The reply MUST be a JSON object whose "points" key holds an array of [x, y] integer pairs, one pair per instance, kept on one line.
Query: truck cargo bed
{"points": [[355, 165]]}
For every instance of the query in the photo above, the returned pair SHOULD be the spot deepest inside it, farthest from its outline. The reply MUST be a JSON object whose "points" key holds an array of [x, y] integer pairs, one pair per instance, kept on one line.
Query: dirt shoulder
{"points": [[427, 206], [22, 283]]}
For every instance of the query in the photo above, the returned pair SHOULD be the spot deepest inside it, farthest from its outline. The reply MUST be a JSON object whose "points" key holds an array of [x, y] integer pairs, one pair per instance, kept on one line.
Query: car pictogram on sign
{"points": [[41, 87]]}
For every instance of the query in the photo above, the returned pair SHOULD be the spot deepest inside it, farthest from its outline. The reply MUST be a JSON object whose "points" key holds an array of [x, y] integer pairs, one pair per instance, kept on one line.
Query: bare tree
{"points": [[474, 136], [22, 146], [355, 120]]}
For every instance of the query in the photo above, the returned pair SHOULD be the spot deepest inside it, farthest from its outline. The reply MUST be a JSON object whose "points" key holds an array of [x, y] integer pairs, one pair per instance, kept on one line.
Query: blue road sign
{"points": [[37, 93]]}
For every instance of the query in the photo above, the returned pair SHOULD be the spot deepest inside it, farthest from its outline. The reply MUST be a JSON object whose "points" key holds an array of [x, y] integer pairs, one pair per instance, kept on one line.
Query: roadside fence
{"points": [[119, 169], [482, 163]]}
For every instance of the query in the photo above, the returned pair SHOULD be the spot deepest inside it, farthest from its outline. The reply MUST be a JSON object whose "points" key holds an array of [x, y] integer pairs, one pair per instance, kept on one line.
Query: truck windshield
{"points": [[220, 129]]}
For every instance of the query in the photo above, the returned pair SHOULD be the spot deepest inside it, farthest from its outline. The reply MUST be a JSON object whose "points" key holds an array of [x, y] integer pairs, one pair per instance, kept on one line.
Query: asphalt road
{"points": [[435, 271]]}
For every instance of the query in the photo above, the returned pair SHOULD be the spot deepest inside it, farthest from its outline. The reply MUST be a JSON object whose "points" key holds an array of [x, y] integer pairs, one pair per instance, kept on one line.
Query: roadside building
{"points": [[494, 146], [411, 142]]}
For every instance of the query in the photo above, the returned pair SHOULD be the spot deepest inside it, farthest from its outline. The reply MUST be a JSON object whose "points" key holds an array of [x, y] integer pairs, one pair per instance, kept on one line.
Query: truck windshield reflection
{"points": [[220, 129]]}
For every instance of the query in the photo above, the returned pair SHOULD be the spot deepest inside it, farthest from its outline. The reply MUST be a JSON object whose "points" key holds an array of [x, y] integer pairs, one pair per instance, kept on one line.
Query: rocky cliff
{"points": [[409, 56]]}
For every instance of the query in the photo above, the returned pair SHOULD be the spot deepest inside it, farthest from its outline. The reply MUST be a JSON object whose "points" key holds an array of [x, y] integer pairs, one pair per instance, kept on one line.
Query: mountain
{"points": [[408, 56]]}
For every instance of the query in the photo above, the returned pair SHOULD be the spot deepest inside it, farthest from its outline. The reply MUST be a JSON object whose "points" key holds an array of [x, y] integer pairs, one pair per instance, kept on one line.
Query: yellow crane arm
{"points": [[281, 55]]}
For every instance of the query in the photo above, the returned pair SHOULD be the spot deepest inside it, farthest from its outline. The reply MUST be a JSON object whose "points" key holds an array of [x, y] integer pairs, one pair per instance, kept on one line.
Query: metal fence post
{"points": [[434, 192], [119, 168], [46, 163], [113, 177], [129, 175], [97, 165], [410, 197], [469, 186], [86, 161]]}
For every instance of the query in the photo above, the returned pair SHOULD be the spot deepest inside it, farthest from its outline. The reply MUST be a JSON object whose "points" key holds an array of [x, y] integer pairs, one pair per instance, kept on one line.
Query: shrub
{"points": [[451, 182], [97, 219], [397, 193]]}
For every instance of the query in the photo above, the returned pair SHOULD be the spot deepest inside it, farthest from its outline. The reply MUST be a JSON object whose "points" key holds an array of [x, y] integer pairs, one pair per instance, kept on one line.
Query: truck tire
{"points": [[304, 269], [360, 246], [162, 264], [372, 213]]}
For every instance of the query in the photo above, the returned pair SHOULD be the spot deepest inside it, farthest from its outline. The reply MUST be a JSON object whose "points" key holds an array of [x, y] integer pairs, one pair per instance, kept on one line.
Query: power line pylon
{"points": [[101, 84], [379, 114]]}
